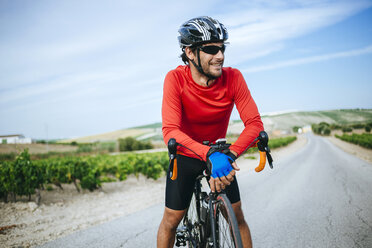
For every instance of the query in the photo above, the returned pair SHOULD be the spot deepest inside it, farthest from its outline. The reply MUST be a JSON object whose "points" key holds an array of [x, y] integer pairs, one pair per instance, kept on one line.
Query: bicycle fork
{"points": [[213, 241]]}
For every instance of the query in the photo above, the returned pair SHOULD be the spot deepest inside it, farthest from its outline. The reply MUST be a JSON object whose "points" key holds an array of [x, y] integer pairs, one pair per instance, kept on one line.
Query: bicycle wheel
{"points": [[228, 234]]}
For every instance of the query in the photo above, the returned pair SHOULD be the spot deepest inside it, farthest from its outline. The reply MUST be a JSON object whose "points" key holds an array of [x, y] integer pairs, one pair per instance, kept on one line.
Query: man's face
{"points": [[211, 63]]}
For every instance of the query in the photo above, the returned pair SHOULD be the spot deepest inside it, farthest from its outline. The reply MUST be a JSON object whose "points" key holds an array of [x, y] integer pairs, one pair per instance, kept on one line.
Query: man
{"points": [[197, 103]]}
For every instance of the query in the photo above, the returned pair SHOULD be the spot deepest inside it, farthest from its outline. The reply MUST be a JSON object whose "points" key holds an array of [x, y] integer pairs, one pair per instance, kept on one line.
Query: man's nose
{"points": [[220, 55]]}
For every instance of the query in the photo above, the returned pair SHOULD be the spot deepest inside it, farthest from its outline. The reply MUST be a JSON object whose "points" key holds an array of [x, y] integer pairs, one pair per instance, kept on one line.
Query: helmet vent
{"points": [[195, 32]]}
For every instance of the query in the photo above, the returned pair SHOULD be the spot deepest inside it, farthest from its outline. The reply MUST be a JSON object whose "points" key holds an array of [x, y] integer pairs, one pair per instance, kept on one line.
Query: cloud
{"points": [[312, 59], [260, 29], [102, 89]]}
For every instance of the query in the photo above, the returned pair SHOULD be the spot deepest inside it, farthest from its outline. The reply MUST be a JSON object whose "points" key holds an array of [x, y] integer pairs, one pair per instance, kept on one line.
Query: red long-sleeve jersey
{"points": [[192, 113]]}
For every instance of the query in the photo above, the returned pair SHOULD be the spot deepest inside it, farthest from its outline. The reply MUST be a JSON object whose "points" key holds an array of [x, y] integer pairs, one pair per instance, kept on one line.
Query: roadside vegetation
{"points": [[324, 128], [362, 139], [280, 142]]}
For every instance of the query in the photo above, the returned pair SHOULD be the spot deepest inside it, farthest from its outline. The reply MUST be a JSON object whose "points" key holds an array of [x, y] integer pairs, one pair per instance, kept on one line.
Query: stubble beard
{"points": [[213, 75]]}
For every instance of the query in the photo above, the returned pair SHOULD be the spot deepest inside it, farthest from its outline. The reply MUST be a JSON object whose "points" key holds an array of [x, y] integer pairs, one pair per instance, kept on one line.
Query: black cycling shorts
{"points": [[178, 192]]}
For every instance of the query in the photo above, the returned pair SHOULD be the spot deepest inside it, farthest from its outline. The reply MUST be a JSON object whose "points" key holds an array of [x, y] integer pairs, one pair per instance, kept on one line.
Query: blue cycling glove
{"points": [[219, 164]]}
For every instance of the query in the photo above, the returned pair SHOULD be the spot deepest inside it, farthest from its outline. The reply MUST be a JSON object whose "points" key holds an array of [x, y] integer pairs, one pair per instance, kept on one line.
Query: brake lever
{"points": [[172, 151], [269, 159], [263, 146]]}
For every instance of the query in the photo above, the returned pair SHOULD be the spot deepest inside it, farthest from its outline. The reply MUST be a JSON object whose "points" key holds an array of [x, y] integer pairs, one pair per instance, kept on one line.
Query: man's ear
{"points": [[189, 53]]}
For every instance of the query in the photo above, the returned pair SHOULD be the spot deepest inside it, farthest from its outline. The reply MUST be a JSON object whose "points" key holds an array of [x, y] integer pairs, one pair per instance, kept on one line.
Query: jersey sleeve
{"points": [[172, 117], [248, 112]]}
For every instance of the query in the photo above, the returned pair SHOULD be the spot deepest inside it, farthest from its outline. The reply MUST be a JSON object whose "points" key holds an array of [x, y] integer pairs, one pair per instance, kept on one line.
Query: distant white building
{"points": [[14, 139], [306, 129]]}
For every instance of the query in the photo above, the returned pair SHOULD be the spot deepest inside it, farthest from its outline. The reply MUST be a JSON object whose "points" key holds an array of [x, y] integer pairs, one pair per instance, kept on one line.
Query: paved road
{"points": [[318, 197]]}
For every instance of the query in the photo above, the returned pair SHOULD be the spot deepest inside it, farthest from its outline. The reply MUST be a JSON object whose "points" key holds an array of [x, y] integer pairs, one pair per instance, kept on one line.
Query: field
{"points": [[35, 148], [110, 136]]}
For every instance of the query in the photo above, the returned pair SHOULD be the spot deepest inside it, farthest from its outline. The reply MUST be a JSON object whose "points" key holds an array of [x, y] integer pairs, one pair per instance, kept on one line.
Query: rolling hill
{"points": [[282, 123]]}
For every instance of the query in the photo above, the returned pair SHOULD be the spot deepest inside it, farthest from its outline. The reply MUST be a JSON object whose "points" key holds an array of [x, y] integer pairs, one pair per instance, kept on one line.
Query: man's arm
{"points": [[248, 113]]}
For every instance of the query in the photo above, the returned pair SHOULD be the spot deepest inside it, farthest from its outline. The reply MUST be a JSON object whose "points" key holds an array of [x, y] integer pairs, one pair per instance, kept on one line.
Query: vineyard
{"points": [[25, 177], [364, 140]]}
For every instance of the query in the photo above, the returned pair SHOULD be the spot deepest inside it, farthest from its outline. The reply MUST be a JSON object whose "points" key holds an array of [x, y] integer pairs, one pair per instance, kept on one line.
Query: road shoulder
{"points": [[358, 151]]}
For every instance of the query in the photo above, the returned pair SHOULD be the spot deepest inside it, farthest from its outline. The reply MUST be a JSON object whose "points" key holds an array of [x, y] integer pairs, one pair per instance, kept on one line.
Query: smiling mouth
{"points": [[218, 66]]}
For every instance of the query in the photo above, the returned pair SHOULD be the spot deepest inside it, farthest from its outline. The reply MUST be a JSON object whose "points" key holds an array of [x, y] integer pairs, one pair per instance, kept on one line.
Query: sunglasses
{"points": [[213, 49]]}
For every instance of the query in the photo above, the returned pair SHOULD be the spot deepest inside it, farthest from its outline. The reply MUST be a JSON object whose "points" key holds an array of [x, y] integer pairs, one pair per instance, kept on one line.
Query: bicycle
{"points": [[210, 220]]}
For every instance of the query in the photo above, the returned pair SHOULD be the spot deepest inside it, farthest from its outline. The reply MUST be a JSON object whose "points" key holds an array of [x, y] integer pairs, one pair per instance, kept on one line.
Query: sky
{"points": [[76, 68]]}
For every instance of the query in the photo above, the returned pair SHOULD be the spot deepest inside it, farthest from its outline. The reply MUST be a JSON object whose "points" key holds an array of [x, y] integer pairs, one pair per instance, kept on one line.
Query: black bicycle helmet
{"points": [[201, 30]]}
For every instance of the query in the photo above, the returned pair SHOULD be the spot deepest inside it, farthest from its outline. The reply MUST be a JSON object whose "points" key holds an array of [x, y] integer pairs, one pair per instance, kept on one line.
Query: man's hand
{"points": [[219, 182]]}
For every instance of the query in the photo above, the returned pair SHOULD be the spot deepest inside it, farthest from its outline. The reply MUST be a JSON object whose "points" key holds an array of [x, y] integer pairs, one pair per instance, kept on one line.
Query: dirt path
{"points": [[63, 212]]}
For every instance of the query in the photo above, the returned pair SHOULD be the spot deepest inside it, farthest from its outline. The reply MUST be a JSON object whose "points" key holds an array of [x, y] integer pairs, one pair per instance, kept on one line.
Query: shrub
{"points": [[322, 128], [20, 177], [295, 129], [6, 180], [358, 126], [346, 129], [324, 124], [126, 144], [131, 144], [327, 131]]}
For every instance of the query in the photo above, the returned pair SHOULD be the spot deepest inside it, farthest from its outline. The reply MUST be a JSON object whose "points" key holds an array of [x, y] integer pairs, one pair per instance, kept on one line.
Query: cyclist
{"points": [[198, 99]]}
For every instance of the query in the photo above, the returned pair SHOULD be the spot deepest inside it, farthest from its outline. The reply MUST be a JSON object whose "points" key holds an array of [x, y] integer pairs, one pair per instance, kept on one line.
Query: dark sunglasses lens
{"points": [[213, 49]]}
